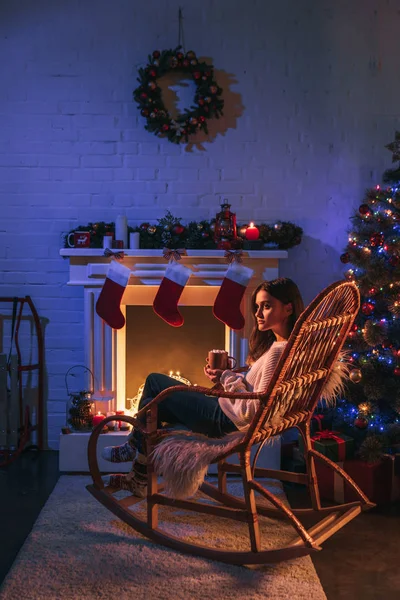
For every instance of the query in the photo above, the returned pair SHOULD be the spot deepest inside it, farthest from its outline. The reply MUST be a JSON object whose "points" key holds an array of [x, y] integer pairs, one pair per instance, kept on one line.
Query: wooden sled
{"points": [[290, 400]]}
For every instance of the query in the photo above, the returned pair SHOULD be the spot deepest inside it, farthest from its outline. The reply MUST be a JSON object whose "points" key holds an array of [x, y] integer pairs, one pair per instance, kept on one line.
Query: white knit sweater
{"points": [[241, 412]]}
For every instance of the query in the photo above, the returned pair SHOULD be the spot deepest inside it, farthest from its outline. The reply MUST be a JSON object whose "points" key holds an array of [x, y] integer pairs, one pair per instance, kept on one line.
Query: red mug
{"points": [[81, 239], [219, 359]]}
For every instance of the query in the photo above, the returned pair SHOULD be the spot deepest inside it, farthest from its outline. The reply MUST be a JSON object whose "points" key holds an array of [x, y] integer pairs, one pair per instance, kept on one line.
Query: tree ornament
{"points": [[148, 92], [365, 210], [396, 371], [394, 261], [355, 375], [361, 422], [151, 229], [345, 257], [367, 308]]}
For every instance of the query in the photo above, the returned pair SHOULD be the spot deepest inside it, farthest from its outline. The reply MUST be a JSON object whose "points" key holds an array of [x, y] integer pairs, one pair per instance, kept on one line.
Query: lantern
{"points": [[225, 227], [80, 405]]}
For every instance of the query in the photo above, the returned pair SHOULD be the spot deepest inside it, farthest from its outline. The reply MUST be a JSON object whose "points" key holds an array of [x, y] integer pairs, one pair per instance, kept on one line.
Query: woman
{"points": [[276, 306]]}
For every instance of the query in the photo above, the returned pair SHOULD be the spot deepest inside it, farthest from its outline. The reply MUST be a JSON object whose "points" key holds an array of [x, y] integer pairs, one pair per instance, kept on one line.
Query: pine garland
{"points": [[170, 233]]}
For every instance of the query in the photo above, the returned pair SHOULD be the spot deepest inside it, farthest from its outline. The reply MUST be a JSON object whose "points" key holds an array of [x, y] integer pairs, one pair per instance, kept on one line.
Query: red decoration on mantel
{"points": [[252, 233], [225, 227]]}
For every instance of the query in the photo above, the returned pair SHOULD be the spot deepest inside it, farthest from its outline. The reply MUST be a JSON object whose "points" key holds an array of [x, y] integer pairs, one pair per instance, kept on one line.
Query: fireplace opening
{"points": [[154, 346]]}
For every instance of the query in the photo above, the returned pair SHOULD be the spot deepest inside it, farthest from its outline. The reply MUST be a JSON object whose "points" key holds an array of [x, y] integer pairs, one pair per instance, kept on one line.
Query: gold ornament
{"points": [[355, 375], [152, 229]]}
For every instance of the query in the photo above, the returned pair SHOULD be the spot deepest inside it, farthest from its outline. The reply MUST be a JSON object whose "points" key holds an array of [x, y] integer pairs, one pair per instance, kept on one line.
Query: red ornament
{"points": [[197, 74], [143, 95], [156, 54], [365, 210], [179, 56], [144, 226], [152, 73], [186, 63], [354, 327], [373, 291], [367, 308], [178, 229], [394, 260], [202, 119], [165, 127], [361, 422], [396, 371], [345, 258]]}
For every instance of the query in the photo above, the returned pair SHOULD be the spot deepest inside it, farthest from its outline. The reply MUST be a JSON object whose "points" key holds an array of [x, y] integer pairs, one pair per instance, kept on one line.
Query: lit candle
{"points": [[252, 233], [97, 419]]}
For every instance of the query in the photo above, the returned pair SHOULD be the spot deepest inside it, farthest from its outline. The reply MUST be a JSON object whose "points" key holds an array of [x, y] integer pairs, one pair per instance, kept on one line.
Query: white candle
{"points": [[121, 229], [107, 241], [134, 240], [111, 424]]}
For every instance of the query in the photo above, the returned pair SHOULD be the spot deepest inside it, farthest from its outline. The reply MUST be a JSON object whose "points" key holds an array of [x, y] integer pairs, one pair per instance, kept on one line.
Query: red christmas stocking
{"points": [[227, 303], [108, 304], [165, 303]]}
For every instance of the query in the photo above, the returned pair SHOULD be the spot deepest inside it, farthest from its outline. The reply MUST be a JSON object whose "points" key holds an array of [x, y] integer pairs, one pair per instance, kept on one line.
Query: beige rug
{"points": [[79, 550]]}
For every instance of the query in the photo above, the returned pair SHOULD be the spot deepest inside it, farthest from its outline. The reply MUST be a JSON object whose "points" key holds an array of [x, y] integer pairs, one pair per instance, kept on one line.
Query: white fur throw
{"points": [[183, 457]]}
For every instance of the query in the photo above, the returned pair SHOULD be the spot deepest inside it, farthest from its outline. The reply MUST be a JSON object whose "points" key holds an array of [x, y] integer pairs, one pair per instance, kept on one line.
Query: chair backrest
{"points": [[307, 361]]}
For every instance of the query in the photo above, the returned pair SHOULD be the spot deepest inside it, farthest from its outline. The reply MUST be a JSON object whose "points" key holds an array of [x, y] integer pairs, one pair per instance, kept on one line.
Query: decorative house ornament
{"points": [[225, 227], [207, 100]]}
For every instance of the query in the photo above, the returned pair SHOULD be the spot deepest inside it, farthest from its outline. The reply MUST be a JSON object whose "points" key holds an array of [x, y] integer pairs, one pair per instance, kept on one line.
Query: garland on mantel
{"points": [[170, 233]]}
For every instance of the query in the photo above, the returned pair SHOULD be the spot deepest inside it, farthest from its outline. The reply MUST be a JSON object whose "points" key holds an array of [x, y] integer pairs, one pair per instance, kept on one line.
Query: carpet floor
{"points": [[79, 550]]}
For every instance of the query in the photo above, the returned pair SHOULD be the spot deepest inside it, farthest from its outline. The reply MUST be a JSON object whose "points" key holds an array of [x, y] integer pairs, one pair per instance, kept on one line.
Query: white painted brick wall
{"points": [[312, 93]]}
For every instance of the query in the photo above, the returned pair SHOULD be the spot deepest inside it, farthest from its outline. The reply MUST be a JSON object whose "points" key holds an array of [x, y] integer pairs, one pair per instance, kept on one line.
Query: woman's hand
{"points": [[213, 374]]}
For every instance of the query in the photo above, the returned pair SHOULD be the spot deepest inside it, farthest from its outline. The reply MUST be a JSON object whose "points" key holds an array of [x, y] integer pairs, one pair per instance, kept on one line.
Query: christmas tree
{"points": [[370, 411]]}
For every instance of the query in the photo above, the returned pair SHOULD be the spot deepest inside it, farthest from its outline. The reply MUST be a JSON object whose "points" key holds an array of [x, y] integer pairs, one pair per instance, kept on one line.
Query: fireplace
{"points": [[106, 349]]}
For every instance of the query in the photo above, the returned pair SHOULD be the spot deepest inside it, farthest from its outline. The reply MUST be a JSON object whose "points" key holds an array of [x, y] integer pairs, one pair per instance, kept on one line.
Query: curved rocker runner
{"points": [[293, 393]]}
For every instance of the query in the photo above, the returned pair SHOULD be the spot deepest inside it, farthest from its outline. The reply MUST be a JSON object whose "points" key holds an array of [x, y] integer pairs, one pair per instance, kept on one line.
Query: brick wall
{"points": [[312, 96]]}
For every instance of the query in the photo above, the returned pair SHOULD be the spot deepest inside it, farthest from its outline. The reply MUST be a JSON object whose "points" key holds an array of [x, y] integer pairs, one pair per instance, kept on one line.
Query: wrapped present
{"points": [[332, 444], [377, 481], [319, 423]]}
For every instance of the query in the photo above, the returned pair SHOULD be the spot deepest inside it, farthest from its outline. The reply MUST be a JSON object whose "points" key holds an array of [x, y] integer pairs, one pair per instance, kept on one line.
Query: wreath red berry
{"points": [[207, 99]]}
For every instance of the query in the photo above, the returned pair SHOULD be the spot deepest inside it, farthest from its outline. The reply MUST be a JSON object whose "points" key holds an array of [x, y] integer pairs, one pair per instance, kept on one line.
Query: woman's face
{"points": [[271, 313]]}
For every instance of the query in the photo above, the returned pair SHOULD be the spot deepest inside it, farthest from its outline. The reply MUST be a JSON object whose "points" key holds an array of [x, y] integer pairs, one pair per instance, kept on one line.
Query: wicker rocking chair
{"points": [[290, 400]]}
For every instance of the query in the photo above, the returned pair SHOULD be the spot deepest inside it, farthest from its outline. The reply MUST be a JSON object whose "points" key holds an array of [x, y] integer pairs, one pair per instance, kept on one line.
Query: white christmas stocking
{"points": [[108, 304], [227, 303], [165, 303]]}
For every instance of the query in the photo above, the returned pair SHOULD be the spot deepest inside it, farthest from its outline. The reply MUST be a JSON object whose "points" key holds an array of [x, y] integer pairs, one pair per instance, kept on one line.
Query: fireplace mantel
{"points": [[104, 349]]}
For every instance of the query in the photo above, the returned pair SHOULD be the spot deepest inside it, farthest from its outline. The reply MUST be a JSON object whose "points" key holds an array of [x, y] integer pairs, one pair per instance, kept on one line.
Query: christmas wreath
{"points": [[207, 100]]}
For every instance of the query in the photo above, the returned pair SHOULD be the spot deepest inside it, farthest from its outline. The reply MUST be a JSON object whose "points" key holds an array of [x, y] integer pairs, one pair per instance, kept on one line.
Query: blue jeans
{"points": [[197, 412]]}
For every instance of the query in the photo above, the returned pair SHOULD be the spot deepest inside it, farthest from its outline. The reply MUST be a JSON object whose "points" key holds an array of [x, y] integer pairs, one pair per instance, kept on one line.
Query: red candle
{"points": [[120, 423], [98, 419], [252, 233]]}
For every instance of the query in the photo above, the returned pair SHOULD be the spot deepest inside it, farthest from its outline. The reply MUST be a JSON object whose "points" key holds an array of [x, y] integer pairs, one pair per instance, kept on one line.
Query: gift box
{"points": [[377, 481], [320, 423], [332, 444]]}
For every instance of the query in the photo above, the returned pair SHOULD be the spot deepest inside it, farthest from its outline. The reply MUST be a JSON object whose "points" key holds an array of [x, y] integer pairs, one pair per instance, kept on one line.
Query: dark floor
{"points": [[360, 562]]}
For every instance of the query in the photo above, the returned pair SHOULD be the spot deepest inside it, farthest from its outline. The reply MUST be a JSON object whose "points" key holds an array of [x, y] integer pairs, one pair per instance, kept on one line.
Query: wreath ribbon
{"points": [[234, 256], [173, 253]]}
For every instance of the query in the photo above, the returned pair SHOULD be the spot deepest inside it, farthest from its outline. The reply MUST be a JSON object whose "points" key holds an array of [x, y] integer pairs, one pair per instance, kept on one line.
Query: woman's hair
{"points": [[286, 291]]}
